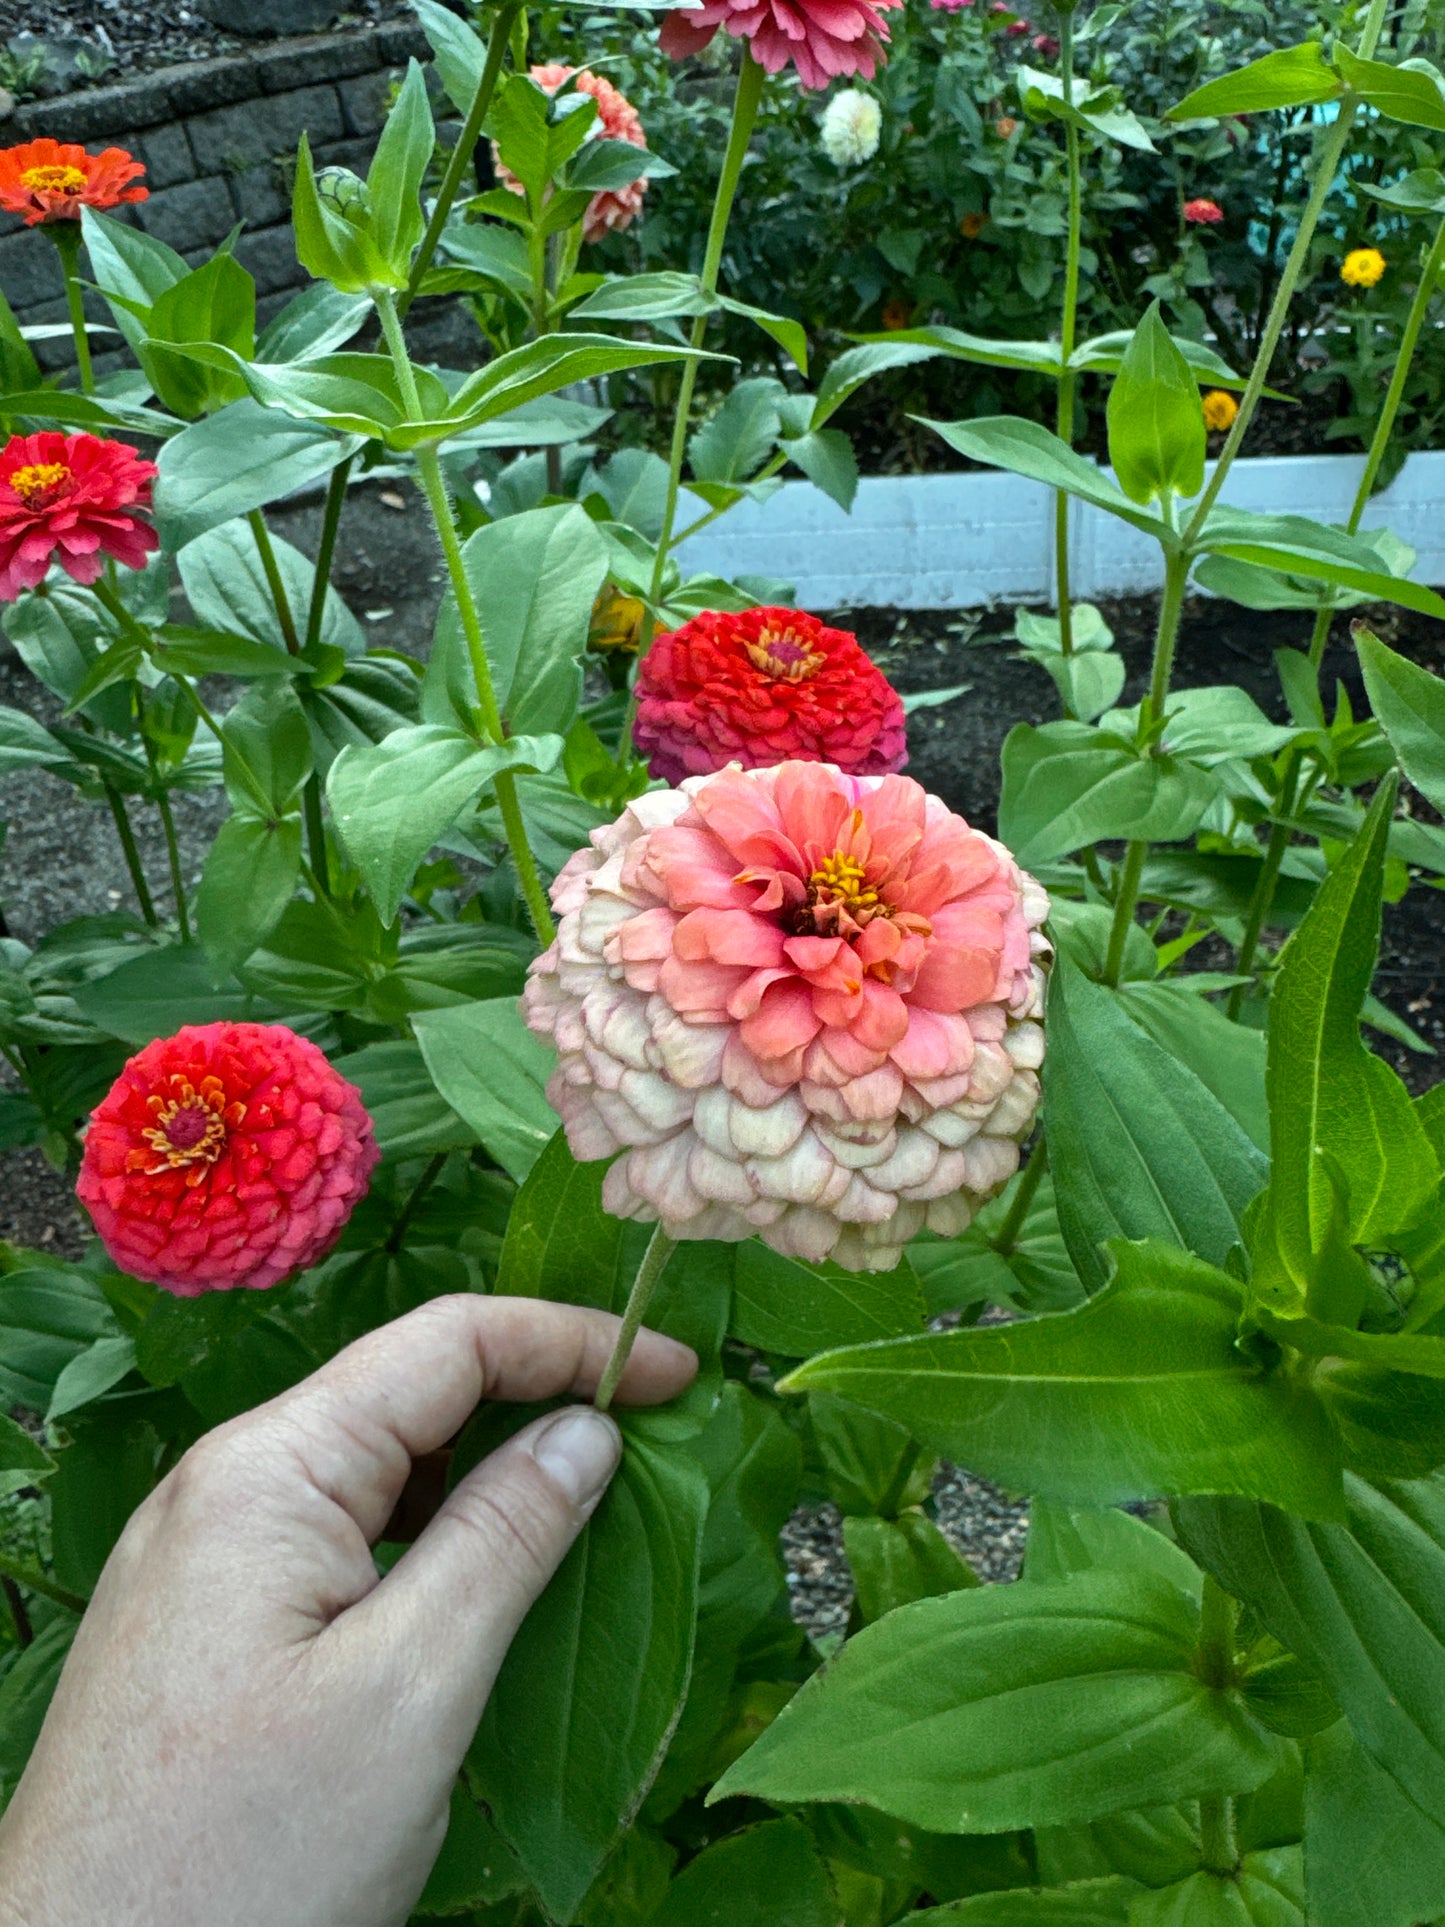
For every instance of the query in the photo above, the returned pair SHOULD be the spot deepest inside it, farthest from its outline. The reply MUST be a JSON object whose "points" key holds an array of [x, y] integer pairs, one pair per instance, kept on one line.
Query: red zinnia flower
{"points": [[227, 1156], [612, 209], [1203, 212], [822, 38], [74, 494], [47, 181], [764, 687]]}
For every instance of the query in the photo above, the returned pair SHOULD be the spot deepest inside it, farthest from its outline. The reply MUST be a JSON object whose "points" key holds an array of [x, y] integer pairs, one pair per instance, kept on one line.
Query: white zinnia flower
{"points": [[851, 124]]}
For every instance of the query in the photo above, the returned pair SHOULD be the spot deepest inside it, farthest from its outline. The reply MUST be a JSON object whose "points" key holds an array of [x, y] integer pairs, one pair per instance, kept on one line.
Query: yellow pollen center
{"points": [[190, 1125], [39, 482], [54, 179], [780, 653], [839, 880]]}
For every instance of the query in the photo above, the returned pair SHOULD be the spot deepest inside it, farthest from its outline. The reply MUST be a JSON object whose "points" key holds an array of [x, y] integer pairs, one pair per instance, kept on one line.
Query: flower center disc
{"points": [[778, 652], [190, 1125], [53, 179], [837, 889], [41, 483]]}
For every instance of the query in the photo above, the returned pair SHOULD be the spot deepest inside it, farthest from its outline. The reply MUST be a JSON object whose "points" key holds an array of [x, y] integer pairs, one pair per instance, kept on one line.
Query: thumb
{"points": [[460, 1593]]}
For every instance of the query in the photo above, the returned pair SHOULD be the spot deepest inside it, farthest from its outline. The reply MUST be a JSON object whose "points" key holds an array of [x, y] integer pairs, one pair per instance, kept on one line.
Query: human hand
{"points": [[252, 1726]]}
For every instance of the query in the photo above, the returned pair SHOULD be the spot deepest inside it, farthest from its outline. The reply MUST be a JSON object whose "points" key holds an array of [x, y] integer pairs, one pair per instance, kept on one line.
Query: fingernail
{"points": [[580, 1450]]}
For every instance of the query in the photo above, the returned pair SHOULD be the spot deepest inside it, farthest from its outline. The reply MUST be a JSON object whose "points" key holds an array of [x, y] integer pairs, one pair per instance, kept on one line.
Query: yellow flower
{"points": [[617, 621], [1220, 409], [1363, 267]]}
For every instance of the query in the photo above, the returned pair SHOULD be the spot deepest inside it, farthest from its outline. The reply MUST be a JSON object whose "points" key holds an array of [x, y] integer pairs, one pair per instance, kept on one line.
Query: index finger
{"points": [[406, 1388]]}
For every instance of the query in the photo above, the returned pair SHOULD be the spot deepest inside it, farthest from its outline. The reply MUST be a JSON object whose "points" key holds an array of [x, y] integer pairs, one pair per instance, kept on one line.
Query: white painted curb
{"points": [[957, 541]]}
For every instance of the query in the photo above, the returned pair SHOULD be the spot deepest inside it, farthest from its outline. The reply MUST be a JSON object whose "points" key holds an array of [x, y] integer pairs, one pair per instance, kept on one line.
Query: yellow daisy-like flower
{"points": [[1220, 409], [1362, 267]]}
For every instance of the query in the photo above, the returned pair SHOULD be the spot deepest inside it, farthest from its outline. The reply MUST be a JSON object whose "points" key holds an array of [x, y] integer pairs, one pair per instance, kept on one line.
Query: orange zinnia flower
{"points": [[46, 180]]}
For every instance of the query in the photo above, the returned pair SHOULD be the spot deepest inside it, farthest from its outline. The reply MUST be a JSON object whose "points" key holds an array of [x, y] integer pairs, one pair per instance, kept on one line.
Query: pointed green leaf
{"points": [[1291, 77]]}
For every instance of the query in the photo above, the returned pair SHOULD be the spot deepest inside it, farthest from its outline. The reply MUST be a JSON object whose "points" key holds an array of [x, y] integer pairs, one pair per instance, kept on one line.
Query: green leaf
{"points": [[25, 1694], [869, 1464], [791, 336], [90, 1375], [1372, 1859], [826, 457], [1333, 1106], [1011, 1706], [644, 297], [1267, 1890], [760, 1877], [152, 994], [559, 1797], [854, 366], [1068, 785], [1140, 1393], [783, 1305], [131, 268], [1030, 357], [1362, 1604], [226, 586], [535, 577], [1140, 1147], [1212, 725], [1410, 705], [461, 58], [1412, 92], [491, 1070], [541, 367], [22, 1461], [397, 171], [1063, 1541], [735, 441], [235, 461], [1097, 111], [1034, 1274], [183, 651], [474, 1868], [26, 744], [411, 1117], [1303, 547], [215, 303], [1084, 1903], [1026, 448], [1292, 77], [896, 1561], [248, 880], [1156, 430], [48, 1316], [109, 1467], [392, 800], [1227, 1058], [313, 322]]}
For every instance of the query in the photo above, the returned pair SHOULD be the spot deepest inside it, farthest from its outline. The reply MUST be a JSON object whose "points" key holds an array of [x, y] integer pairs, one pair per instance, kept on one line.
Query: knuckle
{"points": [[513, 1522]]}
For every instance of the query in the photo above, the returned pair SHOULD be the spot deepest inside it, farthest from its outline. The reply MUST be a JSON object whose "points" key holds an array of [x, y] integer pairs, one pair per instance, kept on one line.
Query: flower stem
{"points": [[1005, 1243], [330, 523], [173, 857], [1389, 409], [1124, 906], [19, 1618], [745, 113], [1218, 1842], [1067, 333], [37, 1583], [429, 471], [409, 1210], [462, 153], [274, 582], [1332, 150], [121, 817], [907, 1465], [1262, 896], [654, 1263], [66, 236]]}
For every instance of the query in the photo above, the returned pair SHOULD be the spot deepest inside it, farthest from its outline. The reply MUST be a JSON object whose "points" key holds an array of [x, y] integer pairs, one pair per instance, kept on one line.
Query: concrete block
{"points": [[29, 269], [261, 17], [266, 127], [271, 257], [305, 63], [167, 156], [196, 215], [202, 85], [363, 101]]}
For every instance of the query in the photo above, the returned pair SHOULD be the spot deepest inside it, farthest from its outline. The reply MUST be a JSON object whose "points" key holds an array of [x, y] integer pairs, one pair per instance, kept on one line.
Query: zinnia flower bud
{"points": [[46, 181], [1219, 409], [1005, 127], [225, 1157], [1203, 212], [615, 208], [972, 225], [824, 39], [851, 124], [1362, 267], [73, 497], [800, 1004], [760, 687]]}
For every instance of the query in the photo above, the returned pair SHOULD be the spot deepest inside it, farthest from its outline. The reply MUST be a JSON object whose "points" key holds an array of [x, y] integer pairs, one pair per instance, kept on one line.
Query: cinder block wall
{"points": [[218, 138]]}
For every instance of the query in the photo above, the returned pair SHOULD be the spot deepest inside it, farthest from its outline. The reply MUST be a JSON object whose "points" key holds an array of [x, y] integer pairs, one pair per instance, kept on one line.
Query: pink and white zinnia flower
{"points": [[799, 1003]]}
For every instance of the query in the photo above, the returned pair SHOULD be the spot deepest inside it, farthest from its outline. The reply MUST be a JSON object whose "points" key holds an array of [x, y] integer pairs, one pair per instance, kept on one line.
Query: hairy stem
{"points": [[37, 1583], [121, 817], [907, 1465], [66, 236], [745, 113], [462, 153], [1389, 409], [173, 858], [1332, 149], [1005, 1242], [429, 470], [277, 587], [1068, 329], [326, 549], [654, 1263], [409, 1210]]}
